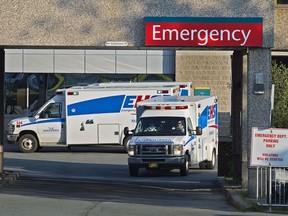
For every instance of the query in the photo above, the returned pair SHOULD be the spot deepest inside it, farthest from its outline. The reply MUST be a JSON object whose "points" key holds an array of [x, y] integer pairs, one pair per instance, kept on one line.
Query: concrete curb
{"points": [[232, 195]]}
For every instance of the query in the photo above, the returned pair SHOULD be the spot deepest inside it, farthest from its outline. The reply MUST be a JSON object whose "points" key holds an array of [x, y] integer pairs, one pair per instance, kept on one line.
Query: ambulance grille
{"points": [[154, 150]]}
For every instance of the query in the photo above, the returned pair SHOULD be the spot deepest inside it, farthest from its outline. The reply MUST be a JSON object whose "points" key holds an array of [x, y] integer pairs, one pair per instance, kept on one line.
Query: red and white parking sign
{"points": [[269, 147], [204, 31]]}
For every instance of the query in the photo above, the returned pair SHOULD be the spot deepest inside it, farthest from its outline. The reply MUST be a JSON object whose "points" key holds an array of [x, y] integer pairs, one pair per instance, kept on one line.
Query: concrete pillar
{"points": [[237, 92], [244, 124], [258, 105]]}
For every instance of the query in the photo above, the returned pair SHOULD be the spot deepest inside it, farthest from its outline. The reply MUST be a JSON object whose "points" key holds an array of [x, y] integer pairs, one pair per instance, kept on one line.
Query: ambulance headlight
{"points": [[131, 150], [177, 149], [11, 128]]}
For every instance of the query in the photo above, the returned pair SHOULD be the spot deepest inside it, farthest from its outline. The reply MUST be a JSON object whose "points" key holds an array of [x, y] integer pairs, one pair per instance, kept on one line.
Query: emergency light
{"points": [[162, 91], [159, 107], [183, 86], [73, 93]]}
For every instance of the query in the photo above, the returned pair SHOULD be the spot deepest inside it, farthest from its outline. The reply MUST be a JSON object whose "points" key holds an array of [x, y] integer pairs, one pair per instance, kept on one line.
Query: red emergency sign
{"points": [[204, 31]]}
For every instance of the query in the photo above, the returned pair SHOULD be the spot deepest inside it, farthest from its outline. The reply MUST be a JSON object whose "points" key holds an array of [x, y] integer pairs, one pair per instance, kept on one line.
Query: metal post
{"points": [[2, 96], [27, 98], [257, 187], [270, 188], [1, 160]]}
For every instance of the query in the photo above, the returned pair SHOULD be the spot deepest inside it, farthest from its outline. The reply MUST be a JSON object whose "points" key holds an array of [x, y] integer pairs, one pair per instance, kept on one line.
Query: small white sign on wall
{"points": [[269, 147]]}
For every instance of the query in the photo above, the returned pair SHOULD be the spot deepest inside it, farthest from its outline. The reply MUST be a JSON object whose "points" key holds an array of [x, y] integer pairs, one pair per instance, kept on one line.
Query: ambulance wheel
{"points": [[202, 165], [211, 164], [133, 170], [184, 169], [28, 143], [125, 142]]}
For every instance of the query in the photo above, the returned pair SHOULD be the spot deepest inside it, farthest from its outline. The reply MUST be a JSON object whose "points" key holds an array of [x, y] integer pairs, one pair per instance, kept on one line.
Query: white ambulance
{"points": [[174, 132], [83, 116]]}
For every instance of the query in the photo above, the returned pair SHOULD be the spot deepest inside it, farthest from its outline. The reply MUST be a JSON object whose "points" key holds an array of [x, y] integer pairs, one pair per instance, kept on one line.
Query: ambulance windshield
{"points": [[161, 126]]}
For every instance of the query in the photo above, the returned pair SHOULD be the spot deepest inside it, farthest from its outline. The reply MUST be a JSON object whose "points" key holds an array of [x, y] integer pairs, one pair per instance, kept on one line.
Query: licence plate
{"points": [[153, 165]]}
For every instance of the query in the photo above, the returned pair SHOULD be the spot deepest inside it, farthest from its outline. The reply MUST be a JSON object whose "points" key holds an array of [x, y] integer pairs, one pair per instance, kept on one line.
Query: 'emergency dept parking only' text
{"points": [[189, 31], [269, 147]]}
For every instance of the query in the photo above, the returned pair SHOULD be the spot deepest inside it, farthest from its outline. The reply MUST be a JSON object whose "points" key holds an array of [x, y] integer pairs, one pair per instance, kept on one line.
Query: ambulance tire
{"points": [[125, 142], [28, 143], [202, 165], [133, 171], [211, 164], [184, 169]]}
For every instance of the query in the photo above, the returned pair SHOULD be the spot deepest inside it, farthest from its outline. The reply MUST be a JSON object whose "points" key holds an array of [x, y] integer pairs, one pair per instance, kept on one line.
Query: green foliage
{"points": [[280, 81]]}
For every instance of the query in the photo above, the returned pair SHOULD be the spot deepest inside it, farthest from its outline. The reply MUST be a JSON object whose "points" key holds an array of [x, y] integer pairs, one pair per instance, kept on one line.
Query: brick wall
{"points": [[212, 69]]}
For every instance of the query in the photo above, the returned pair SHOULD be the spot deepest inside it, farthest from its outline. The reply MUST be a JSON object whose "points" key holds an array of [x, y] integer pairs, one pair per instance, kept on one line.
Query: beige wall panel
{"points": [[69, 61], [131, 64], [38, 63], [100, 64], [14, 63]]}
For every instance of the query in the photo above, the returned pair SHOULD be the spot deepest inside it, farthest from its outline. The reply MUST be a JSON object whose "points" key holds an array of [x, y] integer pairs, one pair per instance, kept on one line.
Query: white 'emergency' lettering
{"points": [[202, 36]]}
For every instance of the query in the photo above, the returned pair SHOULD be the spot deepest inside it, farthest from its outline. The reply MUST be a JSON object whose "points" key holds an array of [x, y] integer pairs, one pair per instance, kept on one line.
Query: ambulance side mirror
{"points": [[198, 130], [126, 131]]}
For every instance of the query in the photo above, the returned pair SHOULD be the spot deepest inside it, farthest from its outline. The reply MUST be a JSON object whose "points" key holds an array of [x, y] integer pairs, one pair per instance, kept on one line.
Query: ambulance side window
{"points": [[53, 110], [56, 110], [190, 126]]}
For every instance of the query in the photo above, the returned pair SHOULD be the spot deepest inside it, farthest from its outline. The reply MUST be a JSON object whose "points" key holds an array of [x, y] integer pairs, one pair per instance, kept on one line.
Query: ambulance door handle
{"points": [[116, 132]]}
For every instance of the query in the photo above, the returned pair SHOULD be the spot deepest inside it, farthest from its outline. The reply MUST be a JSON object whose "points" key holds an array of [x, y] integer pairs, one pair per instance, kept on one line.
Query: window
{"points": [[190, 126], [281, 2], [161, 126], [27, 92], [53, 110], [281, 60]]}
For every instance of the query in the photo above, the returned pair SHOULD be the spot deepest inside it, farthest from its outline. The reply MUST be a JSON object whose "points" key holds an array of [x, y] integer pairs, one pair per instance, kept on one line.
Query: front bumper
{"points": [[12, 138], [157, 162]]}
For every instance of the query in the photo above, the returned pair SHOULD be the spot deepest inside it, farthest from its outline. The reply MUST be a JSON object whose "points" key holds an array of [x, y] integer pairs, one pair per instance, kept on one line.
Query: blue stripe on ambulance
{"points": [[190, 139], [45, 121], [111, 104], [203, 119]]}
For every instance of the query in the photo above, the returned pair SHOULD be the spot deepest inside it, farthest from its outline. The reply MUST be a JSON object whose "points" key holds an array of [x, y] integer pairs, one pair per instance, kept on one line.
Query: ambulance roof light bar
{"points": [[183, 86], [162, 91], [73, 93], [166, 107]]}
